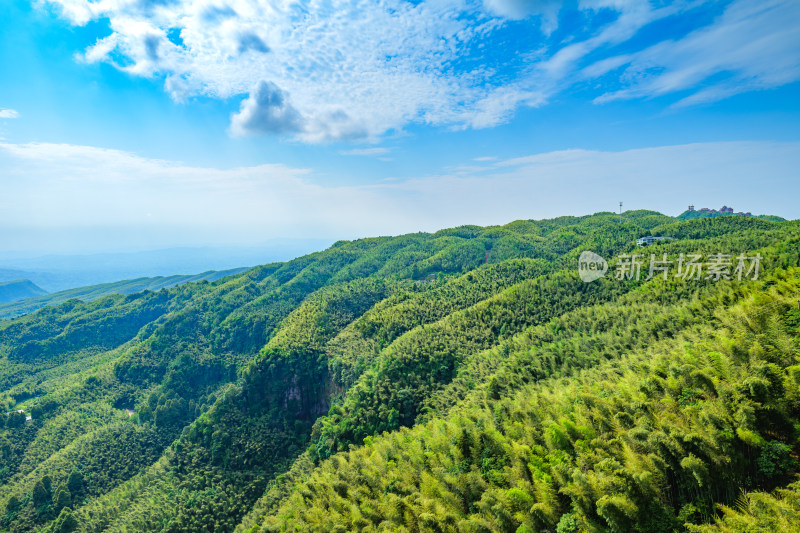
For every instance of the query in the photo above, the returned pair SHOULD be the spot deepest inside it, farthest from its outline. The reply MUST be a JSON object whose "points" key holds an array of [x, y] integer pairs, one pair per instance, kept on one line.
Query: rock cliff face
{"points": [[306, 399], [293, 389]]}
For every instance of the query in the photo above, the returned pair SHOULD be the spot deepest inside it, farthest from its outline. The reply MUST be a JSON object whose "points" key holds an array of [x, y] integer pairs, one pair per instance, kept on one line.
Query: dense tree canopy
{"points": [[465, 380]]}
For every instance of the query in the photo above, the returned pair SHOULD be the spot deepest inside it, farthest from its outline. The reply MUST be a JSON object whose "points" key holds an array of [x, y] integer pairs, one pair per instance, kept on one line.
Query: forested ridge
{"points": [[465, 380], [28, 304]]}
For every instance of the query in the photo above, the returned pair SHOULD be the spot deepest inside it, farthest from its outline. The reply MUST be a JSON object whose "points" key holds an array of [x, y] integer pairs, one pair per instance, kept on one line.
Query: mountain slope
{"points": [[461, 380], [605, 449]]}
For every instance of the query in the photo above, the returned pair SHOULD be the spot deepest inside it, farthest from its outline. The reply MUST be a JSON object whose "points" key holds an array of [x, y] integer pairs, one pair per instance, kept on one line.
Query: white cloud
{"points": [[366, 151], [355, 69], [53, 187], [8, 113], [520, 9], [753, 45], [350, 69], [267, 110]]}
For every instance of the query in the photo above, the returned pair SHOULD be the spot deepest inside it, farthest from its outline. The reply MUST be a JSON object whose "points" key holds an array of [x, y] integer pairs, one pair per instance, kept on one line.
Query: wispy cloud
{"points": [[546, 10], [752, 45], [359, 70], [376, 151], [65, 186], [8, 113]]}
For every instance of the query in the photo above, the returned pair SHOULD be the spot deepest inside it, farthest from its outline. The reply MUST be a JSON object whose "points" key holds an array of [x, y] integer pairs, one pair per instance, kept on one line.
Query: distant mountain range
{"points": [[36, 298], [55, 273], [11, 291]]}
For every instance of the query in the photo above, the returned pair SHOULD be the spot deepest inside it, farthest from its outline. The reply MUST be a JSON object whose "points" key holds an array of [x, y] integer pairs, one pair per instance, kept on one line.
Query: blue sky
{"points": [[149, 123]]}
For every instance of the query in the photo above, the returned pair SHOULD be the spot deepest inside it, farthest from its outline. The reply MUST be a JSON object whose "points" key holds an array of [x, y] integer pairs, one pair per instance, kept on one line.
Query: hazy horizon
{"points": [[128, 125], [39, 251], [22, 255]]}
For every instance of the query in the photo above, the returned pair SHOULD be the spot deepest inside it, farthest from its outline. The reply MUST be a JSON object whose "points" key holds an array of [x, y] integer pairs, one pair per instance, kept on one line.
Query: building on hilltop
{"points": [[650, 240], [706, 212]]}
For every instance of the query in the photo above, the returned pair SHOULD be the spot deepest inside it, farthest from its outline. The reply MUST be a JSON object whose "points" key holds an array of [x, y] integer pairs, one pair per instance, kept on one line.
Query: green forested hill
{"points": [[465, 380], [36, 299]]}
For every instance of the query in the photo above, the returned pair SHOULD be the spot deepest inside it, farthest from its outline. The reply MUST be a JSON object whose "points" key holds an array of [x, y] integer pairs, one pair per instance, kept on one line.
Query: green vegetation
{"points": [[465, 380], [711, 213], [36, 298]]}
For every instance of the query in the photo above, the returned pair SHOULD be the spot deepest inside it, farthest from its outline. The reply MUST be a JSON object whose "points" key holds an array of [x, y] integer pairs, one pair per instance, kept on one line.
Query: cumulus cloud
{"points": [[8, 113], [267, 110], [354, 69]]}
